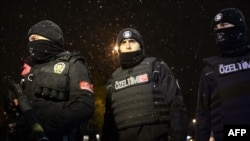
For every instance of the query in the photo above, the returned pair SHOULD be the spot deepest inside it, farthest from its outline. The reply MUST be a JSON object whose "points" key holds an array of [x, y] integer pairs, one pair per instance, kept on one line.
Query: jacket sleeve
{"points": [[174, 98], [61, 117], [203, 129], [109, 131]]}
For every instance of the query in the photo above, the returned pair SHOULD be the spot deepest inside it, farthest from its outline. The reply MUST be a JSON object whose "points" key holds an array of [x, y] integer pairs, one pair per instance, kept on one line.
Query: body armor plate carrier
{"points": [[52, 76], [135, 98], [231, 93]]}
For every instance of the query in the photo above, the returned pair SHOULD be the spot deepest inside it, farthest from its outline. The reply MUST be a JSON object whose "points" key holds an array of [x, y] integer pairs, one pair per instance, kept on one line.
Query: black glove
{"points": [[9, 96]]}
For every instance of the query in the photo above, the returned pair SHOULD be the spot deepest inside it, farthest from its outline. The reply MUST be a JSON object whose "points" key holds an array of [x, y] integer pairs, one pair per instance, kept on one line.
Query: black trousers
{"points": [[152, 132]]}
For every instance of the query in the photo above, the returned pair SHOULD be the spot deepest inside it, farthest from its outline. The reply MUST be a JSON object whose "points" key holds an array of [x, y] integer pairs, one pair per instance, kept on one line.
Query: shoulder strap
{"points": [[70, 57], [76, 56], [156, 67], [212, 61]]}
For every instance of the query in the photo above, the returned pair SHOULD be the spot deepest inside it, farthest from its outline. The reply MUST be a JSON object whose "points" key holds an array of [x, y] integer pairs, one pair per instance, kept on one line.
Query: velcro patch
{"points": [[233, 67], [131, 81]]}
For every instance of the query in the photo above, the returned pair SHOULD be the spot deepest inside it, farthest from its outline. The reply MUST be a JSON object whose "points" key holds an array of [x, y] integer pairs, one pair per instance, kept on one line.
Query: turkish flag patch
{"points": [[26, 69], [84, 85], [143, 78]]}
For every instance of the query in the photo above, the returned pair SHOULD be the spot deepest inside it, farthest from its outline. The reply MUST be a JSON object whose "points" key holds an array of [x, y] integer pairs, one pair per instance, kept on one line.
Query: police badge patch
{"points": [[218, 17], [59, 67], [127, 34]]}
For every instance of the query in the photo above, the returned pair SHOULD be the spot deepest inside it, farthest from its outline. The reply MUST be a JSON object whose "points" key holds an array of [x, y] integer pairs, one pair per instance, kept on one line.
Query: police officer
{"points": [[144, 102], [57, 84], [224, 92]]}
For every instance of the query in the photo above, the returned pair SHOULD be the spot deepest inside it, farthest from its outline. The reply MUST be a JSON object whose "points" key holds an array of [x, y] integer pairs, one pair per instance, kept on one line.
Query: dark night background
{"points": [[177, 31]]}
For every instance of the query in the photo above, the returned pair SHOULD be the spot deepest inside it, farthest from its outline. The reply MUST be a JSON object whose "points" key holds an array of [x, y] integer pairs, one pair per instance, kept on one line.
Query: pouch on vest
{"points": [[54, 86]]}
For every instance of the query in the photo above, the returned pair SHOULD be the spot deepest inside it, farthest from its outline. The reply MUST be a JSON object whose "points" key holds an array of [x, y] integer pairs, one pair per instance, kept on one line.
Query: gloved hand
{"points": [[10, 98], [10, 102], [14, 96]]}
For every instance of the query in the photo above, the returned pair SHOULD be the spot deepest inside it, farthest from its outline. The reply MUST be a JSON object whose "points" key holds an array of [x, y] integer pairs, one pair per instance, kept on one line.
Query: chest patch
{"points": [[59, 67], [131, 81], [233, 67]]}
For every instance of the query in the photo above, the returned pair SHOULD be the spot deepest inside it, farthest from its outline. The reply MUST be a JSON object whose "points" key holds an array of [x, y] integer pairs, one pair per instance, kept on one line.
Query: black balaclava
{"points": [[231, 41], [43, 50], [130, 59]]}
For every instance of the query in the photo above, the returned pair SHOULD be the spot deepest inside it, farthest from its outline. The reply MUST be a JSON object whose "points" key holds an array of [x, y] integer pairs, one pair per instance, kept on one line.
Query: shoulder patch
{"points": [[26, 69], [84, 85]]}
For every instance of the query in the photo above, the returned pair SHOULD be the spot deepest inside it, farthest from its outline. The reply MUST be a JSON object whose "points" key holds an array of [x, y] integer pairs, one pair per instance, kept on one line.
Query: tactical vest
{"points": [[230, 97], [136, 100], [54, 76]]}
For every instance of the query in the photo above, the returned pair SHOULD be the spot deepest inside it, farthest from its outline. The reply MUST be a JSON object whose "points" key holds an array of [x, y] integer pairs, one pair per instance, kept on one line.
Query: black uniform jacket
{"points": [[173, 97], [58, 116]]}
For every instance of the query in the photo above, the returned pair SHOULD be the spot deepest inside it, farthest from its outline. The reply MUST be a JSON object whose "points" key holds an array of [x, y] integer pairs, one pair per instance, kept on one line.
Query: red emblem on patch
{"points": [[84, 85]]}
